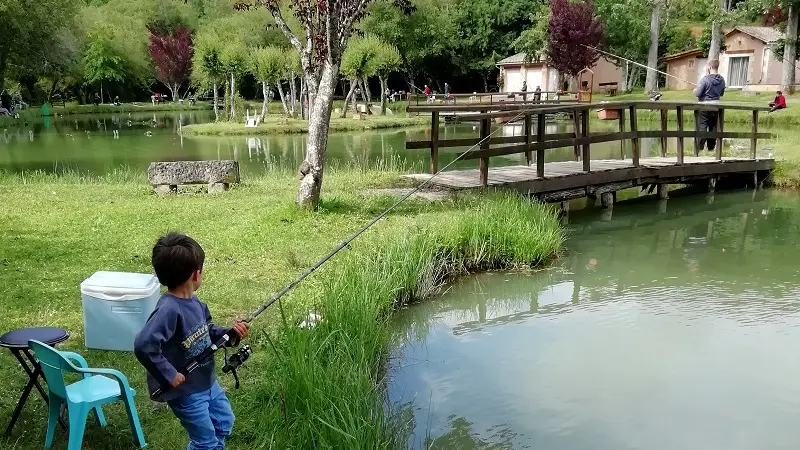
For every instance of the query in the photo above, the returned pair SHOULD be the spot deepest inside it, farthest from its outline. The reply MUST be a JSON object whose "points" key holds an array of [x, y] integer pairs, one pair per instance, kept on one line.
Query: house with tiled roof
{"points": [[748, 61]]}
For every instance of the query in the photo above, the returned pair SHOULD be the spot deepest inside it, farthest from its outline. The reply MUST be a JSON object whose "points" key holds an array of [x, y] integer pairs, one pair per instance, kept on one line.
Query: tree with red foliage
{"points": [[172, 56], [573, 25]]}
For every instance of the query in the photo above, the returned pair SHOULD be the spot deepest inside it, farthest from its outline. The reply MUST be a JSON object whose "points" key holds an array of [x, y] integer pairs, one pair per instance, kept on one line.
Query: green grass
{"points": [[320, 388], [277, 125]]}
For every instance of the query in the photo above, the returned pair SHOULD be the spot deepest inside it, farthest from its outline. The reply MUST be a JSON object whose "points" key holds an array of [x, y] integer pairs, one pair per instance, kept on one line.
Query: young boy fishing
{"points": [[179, 329]]}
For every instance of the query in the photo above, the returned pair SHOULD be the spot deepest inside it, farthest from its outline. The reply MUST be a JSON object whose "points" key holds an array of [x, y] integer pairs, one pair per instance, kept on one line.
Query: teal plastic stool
{"points": [[98, 387]]}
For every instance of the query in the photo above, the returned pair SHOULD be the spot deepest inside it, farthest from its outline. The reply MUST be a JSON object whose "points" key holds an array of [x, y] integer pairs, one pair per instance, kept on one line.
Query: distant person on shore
{"points": [[524, 90], [96, 99], [5, 101], [710, 89], [778, 103], [537, 94]]}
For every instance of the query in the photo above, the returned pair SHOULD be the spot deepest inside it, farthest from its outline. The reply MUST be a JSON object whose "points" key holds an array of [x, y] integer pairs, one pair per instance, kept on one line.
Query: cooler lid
{"points": [[120, 286]]}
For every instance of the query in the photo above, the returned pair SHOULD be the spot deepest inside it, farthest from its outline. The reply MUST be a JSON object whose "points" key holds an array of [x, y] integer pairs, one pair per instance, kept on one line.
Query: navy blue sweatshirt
{"points": [[176, 331], [710, 88]]}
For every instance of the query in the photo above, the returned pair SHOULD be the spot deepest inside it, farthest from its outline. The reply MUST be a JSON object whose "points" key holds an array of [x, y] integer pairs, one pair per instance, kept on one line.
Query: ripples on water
{"points": [[675, 331]]}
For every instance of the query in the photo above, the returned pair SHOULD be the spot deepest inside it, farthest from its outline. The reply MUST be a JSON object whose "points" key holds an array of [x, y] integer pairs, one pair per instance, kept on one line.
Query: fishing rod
{"points": [[638, 64], [233, 362]]}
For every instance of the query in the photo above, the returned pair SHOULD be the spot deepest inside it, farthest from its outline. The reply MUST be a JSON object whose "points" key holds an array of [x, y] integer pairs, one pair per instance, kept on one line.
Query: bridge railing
{"points": [[535, 141], [492, 98]]}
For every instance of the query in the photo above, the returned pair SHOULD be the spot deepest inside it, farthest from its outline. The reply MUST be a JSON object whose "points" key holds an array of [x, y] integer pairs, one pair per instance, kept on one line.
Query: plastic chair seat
{"points": [[94, 389]]}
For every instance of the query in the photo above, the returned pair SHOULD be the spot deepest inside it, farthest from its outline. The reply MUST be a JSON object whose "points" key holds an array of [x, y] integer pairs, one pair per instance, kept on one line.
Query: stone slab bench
{"points": [[165, 177]]}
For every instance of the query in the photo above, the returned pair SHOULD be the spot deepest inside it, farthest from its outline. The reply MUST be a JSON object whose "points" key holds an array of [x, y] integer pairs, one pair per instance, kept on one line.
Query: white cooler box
{"points": [[116, 306]]}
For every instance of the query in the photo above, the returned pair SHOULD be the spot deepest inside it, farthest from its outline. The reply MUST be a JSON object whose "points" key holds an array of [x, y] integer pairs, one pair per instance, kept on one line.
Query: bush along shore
{"points": [[278, 125], [303, 388]]}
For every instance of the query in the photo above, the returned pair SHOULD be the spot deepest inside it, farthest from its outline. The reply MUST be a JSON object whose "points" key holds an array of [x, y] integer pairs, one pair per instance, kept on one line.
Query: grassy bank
{"points": [[278, 125], [317, 388], [35, 113]]}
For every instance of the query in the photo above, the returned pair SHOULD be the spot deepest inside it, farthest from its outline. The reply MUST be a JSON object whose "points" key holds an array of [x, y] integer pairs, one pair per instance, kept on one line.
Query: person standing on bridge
{"points": [[710, 89]]}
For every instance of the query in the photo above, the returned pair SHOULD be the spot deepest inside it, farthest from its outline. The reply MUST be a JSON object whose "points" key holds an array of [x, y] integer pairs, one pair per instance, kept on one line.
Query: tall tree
{"points": [[327, 26], [573, 26], [268, 65], [172, 56], [627, 34], [651, 80], [790, 48], [422, 30], [101, 62], [719, 11], [208, 70], [356, 65], [233, 61], [386, 61]]}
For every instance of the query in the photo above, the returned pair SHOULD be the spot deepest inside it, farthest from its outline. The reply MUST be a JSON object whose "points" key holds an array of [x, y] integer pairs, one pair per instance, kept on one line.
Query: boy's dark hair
{"points": [[175, 257]]}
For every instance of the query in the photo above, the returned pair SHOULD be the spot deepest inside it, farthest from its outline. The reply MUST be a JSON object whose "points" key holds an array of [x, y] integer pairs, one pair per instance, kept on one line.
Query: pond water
{"points": [[101, 143], [671, 330]]}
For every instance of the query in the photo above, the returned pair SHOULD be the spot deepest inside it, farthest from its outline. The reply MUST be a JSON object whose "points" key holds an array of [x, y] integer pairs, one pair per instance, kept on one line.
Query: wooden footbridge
{"points": [[583, 176]]}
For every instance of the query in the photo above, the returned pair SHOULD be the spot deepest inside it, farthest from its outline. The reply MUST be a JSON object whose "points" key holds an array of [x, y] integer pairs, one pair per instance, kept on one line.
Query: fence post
{"points": [[697, 140], [720, 129], [663, 130], [528, 138], [635, 139], [585, 133], [540, 124], [622, 130], [680, 138], [486, 125], [754, 139], [434, 142], [576, 123]]}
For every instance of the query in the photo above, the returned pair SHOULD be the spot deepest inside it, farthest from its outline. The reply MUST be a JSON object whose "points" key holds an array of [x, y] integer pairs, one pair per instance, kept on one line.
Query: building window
{"points": [[691, 63]]}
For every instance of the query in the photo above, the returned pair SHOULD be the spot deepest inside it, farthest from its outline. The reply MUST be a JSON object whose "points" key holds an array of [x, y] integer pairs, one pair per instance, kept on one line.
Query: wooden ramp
{"points": [[605, 175]]}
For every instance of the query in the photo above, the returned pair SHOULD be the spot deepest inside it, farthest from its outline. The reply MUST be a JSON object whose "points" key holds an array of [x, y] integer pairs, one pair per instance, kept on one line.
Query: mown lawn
{"points": [[301, 389]]}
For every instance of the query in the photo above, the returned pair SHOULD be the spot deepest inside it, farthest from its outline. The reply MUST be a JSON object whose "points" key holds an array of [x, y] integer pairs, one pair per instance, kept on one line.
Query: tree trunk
{"points": [[367, 91], [52, 88], [101, 92], [383, 95], [293, 93], [303, 97], [216, 102], [173, 89], [365, 96], [312, 168], [716, 33], [651, 82], [264, 106], [233, 99], [283, 100], [347, 98], [790, 50], [623, 78], [485, 77], [2, 66]]}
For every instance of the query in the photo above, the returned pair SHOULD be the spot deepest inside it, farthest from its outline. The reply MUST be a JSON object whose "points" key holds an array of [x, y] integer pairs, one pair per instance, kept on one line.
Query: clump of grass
{"points": [[330, 378]]}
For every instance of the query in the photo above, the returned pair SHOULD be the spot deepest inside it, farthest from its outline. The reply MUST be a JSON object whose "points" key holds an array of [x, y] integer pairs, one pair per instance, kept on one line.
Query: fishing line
{"points": [[638, 64], [244, 353]]}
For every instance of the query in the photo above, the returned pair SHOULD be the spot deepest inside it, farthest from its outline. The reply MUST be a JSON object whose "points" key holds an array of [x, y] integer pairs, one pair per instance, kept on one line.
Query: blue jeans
{"points": [[207, 417]]}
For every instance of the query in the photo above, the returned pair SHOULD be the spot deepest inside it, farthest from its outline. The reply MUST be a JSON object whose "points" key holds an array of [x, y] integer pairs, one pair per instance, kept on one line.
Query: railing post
{"points": [[697, 140], [663, 130], [486, 126], [434, 142], [754, 139], [576, 123], [635, 139], [622, 130], [540, 124], [585, 133], [720, 129], [679, 111], [528, 138]]}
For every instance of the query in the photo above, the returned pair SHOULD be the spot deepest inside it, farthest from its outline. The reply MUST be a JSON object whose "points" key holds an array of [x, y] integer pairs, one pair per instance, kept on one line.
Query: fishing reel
{"points": [[235, 360]]}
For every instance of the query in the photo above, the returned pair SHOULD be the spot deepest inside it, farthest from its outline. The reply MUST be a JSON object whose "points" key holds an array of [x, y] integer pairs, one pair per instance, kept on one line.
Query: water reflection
{"points": [[656, 331]]}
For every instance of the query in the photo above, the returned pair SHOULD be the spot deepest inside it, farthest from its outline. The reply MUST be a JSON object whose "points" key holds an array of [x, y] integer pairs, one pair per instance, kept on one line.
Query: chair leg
{"points": [[52, 420], [133, 418], [78, 413], [101, 419]]}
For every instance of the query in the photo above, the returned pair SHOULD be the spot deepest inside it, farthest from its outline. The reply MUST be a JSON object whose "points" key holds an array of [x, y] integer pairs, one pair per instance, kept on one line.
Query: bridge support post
{"points": [[679, 111], [663, 191], [607, 199], [663, 130], [528, 138], [712, 184], [754, 140], [662, 206], [720, 129], [434, 142]]}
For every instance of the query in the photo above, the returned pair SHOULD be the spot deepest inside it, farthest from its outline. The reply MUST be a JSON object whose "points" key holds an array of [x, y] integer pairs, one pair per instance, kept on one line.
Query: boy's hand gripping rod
{"points": [[232, 363]]}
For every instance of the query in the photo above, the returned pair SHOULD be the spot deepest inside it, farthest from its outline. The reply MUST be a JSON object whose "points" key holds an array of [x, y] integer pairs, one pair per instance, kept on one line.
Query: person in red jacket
{"points": [[779, 102]]}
